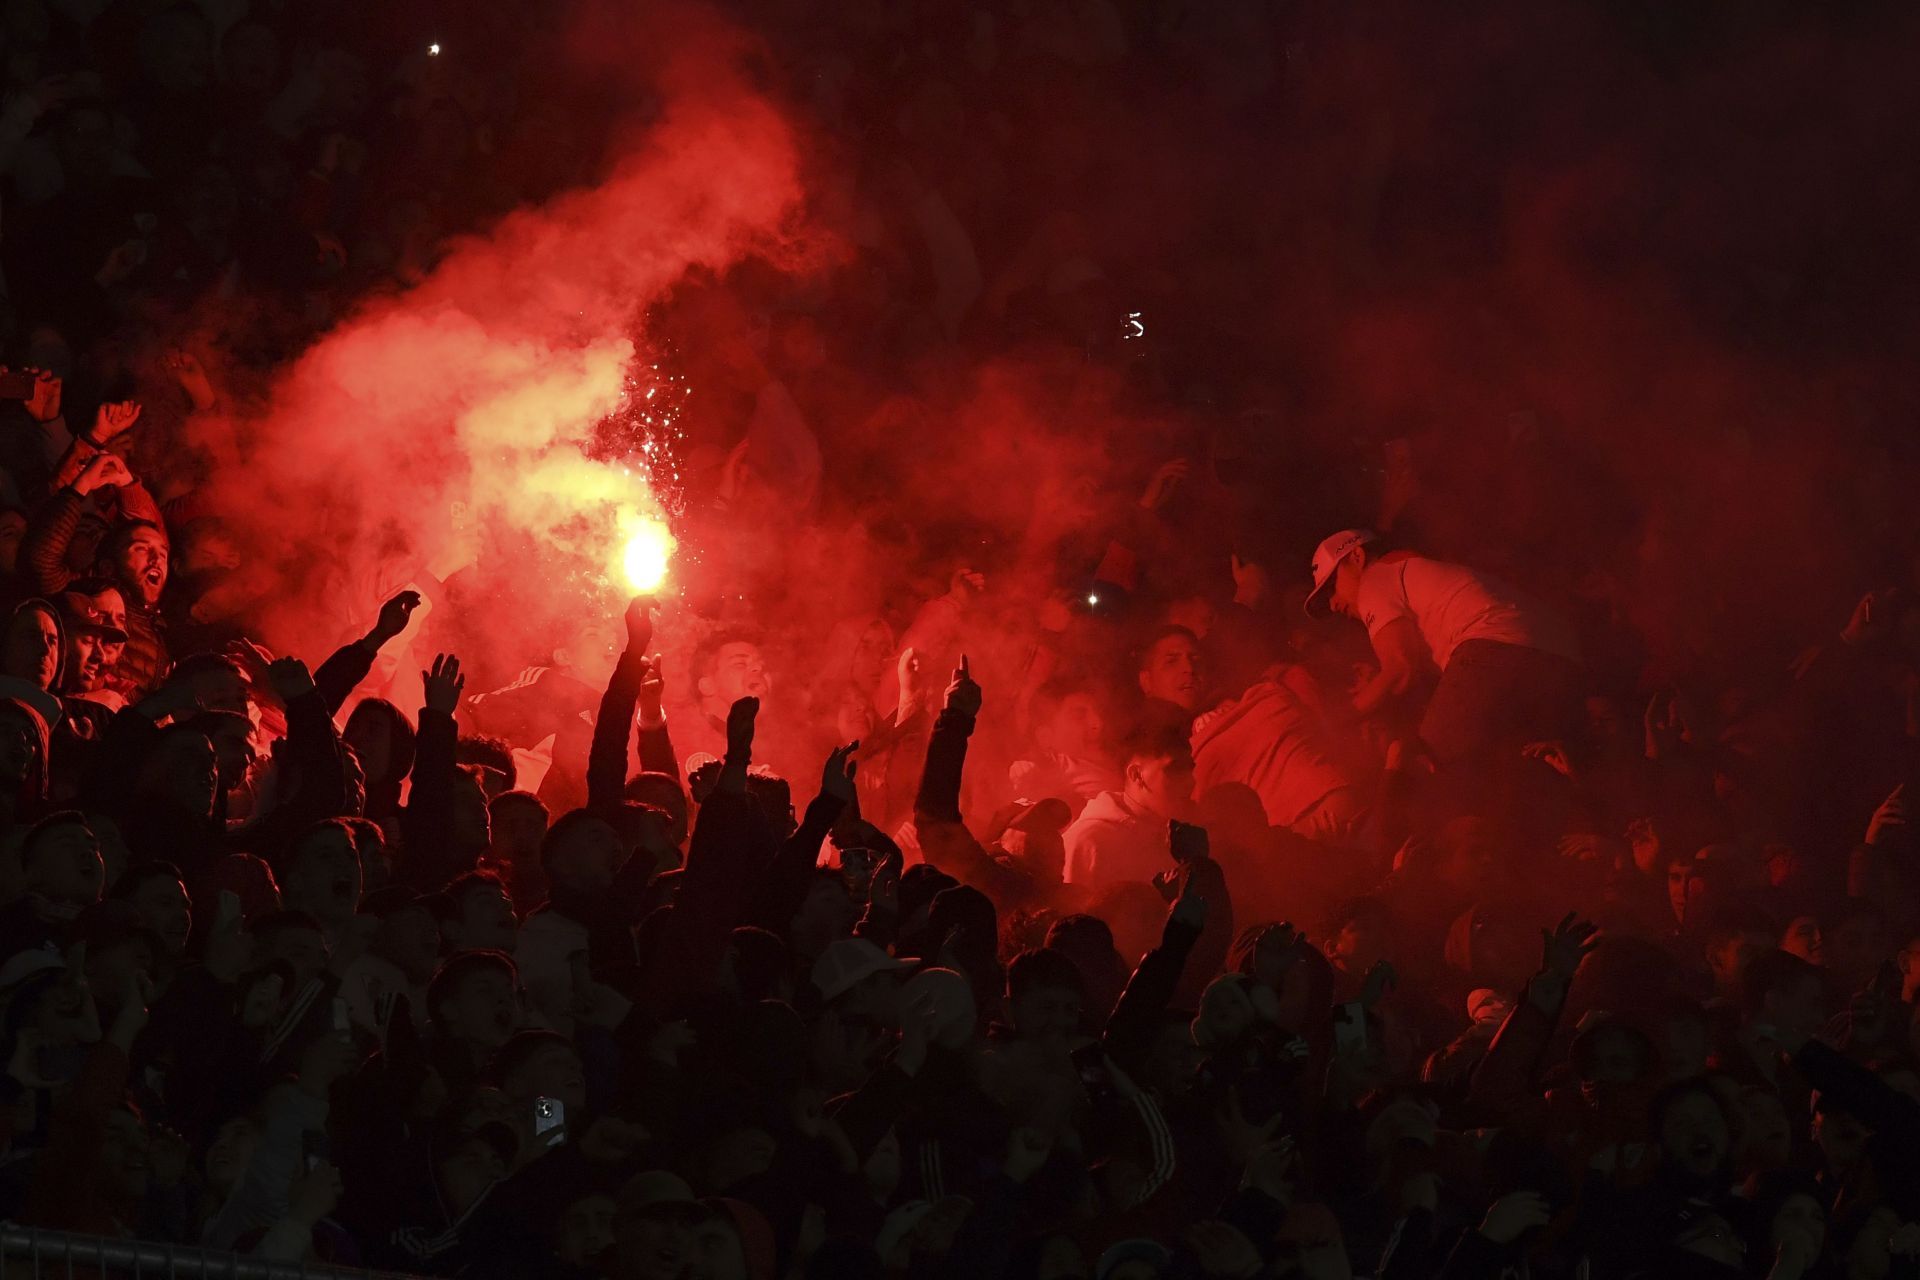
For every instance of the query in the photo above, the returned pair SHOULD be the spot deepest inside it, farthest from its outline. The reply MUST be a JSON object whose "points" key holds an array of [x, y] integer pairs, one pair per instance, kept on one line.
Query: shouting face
{"points": [[142, 566]]}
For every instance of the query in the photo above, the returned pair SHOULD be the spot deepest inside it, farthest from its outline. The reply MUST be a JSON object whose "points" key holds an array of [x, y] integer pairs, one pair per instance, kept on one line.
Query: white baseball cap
{"points": [[1328, 555], [848, 962]]}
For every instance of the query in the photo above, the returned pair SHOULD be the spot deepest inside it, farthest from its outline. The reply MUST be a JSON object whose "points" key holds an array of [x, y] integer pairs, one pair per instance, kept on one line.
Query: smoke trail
{"points": [[445, 426]]}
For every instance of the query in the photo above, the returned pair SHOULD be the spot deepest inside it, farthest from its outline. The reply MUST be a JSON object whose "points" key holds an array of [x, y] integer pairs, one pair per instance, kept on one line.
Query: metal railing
{"points": [[27, 1253]]}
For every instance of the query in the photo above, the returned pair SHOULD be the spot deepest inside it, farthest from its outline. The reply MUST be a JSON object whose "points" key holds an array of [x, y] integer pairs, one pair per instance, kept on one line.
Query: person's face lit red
{"points": [[143, 566], [1162, 787], [872, 656], [33, 647], [1344, 597], [739, 671], [1076, 728], [86, 666], [1171, 672]]}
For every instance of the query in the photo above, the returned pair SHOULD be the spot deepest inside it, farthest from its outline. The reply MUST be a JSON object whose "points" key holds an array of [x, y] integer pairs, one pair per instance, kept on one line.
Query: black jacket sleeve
{"points": [[341, 674], [607, 758], [428, 819]]}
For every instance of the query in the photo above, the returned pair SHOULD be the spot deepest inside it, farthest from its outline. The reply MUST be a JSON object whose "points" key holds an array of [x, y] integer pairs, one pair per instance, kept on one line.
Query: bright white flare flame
{"points": [[649, 550]]}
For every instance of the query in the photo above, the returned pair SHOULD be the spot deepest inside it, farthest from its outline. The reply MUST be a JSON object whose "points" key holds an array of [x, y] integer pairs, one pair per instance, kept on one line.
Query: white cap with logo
{"points": [[1328, 555]]}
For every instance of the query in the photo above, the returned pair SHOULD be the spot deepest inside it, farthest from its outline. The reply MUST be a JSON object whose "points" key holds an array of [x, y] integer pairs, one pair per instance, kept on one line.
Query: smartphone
{"points": [[342, 1017], [549, 1121], [16, 386], [313, 1147], [1349, 1027]]}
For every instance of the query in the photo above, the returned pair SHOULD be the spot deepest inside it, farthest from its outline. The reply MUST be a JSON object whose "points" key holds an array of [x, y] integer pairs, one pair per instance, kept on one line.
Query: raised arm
{"points": [[342, 673], [1130, 1029], [731, 841], [49, 535], [784, 884], [311, 756], [607, 758], [1505, 1078], [944, 839], [428, 820], [938, 799]]}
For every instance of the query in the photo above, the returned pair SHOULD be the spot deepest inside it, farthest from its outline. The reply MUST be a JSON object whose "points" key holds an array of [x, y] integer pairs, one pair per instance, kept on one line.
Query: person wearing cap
{"points": [[854, 976], [96, 635], [1508, 668]]}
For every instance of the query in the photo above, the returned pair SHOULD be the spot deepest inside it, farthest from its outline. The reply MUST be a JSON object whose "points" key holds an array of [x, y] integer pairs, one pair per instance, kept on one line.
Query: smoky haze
{"points": [[1625, 287]]}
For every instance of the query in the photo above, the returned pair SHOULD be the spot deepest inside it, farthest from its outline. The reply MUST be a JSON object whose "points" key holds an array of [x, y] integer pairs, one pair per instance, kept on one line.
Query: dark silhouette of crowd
{"points": [[1197, 889]]}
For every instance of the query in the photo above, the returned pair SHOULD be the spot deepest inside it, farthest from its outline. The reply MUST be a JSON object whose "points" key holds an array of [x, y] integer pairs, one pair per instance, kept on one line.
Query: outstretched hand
{"points": [[836, 779], [639, 624], [394, 616], [913, 691], [289, 678], [115, 419], [1562, 949], [963, 695], [1564, 946], [653, 689], [740, 720], [44, 404], [1187, 842], [1890, 819], [444, 684]]}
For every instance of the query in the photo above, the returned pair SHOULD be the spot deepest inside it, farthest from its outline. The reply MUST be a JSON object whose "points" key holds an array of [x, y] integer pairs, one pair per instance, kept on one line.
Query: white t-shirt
{"points": [[1452, 604]]}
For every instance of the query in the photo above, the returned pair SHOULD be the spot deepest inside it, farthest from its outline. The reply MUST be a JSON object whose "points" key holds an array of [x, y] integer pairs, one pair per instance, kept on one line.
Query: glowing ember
{"points": [[649, 549]]}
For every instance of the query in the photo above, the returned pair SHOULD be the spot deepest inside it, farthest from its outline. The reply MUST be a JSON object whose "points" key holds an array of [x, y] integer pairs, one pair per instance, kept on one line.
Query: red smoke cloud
{"points": [[443, 426]]}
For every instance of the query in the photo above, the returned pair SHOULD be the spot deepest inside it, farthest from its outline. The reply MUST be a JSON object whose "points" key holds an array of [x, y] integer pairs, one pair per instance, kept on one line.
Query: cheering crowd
{"points": [[1199, 890]]}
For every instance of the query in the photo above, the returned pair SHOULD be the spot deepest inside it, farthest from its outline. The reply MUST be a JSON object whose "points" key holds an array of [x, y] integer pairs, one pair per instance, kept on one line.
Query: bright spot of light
{"points": [[649, 550], [433, 50], [1093, 600]]}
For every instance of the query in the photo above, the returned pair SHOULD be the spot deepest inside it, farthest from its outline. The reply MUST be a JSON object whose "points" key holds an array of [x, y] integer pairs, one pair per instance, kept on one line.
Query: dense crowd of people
{"points": [[1195, 891]]}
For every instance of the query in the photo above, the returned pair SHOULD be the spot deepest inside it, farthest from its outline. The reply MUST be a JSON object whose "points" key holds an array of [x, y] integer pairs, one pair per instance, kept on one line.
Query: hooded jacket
{"points": [[45, 701], [1109, 843]]}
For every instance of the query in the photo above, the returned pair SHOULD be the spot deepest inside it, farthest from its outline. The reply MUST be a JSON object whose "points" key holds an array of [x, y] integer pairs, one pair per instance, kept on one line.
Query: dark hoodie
{"points": [[30, 799], [44, 699]]}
